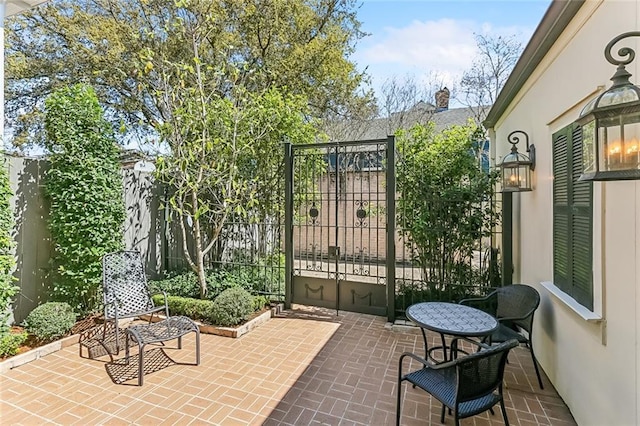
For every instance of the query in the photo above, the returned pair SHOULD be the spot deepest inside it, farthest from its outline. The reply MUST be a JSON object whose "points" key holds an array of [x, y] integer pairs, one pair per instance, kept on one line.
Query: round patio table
{"points": [[450, 319]]}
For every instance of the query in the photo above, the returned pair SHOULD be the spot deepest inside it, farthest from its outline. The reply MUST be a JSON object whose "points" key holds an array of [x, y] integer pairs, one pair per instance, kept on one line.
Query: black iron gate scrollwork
{"points": [[340, 210]]}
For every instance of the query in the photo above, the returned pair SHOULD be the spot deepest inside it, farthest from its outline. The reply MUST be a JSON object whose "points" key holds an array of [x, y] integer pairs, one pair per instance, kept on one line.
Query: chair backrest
{"points": [[125, 284], [520, 301], [481, 373]]}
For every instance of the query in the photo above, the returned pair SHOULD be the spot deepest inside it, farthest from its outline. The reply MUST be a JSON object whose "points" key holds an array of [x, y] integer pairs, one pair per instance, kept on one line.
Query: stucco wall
{"points": [[594, 365]]}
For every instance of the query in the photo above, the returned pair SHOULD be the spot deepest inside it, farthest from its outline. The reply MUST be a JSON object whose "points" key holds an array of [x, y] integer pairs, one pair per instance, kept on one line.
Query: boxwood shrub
{"points": [[232, 306], [50, 321]]}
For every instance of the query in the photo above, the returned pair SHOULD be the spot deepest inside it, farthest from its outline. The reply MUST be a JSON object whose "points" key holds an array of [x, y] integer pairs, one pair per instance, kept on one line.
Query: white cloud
{"points": [[445, 47]]}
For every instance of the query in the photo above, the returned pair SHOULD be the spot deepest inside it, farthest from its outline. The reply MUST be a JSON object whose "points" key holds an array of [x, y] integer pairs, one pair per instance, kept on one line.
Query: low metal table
{"points": [[450, 319]]}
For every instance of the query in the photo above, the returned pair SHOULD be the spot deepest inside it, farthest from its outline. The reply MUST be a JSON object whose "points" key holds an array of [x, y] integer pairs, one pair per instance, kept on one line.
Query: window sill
{"points": [[571, 303]]}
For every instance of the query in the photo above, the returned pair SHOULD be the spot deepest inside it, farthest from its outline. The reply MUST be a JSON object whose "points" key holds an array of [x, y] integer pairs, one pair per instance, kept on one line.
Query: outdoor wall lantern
{"points": [[611, 124], [516, 167]]}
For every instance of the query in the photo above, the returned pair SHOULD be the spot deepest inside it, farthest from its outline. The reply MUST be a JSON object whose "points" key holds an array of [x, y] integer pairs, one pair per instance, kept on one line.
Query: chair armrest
{"points": [[425, 362], [478, 343], [486, 304], [166, 304], [504, 319], [472, 300]]}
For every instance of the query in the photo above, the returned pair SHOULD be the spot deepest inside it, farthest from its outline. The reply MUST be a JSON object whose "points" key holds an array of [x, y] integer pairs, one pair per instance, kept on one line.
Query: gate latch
{"points": [[334, 251]]}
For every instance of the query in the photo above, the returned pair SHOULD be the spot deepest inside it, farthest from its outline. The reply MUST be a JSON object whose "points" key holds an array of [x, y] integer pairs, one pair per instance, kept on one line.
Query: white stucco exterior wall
{"points": [[593, 363]]}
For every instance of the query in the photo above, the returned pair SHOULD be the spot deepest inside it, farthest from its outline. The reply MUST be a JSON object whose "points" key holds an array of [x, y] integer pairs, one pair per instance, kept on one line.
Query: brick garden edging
{"points": [[37, 353]]}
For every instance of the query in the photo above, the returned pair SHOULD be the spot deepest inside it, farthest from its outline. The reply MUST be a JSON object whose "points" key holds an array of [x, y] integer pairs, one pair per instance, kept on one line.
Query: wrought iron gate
{"points": [[340, 210]]}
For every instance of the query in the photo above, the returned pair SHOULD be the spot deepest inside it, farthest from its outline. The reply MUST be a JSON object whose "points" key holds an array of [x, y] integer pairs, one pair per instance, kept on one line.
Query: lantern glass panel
{"points": [[617, 96], [516, 178], [589, 147], [619, 142], [588, 107]]}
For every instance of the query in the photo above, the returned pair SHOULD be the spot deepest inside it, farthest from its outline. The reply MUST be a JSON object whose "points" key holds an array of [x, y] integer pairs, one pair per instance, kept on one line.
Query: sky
{"points": [[423, 37]]}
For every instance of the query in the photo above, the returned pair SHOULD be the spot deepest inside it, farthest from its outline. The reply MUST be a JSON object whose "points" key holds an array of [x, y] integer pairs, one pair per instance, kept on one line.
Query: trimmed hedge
{"points": [[196, 309], [230, 308]]}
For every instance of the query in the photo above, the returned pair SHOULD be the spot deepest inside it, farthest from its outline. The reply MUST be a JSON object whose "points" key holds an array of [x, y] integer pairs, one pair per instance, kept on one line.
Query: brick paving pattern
{"points": [[305, 367]]}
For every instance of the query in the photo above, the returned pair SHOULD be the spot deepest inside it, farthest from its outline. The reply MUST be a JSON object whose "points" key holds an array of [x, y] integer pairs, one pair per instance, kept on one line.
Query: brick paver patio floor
{"points": [[305, 367]]}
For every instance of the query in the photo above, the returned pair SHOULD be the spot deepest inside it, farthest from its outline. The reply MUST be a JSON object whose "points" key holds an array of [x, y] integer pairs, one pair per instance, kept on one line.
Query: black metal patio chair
{"points": [[467, 386], [513, 306], [126, 295]]}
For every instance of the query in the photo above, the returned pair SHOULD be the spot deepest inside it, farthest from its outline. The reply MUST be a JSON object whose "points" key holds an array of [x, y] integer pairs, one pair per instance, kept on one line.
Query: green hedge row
{"points": [[230, 308]]}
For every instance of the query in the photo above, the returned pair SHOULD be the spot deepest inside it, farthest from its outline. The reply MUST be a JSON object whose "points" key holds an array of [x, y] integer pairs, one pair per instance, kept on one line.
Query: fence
{"points": [[253, 245]]}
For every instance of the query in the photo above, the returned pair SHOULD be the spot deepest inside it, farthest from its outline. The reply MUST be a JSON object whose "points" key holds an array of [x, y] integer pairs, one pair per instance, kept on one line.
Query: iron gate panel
{"points": [[338, 201]]}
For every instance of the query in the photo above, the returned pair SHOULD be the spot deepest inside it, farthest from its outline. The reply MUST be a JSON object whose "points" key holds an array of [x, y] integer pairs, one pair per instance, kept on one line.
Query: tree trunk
{"points": [[199, 253], [202, 279]]}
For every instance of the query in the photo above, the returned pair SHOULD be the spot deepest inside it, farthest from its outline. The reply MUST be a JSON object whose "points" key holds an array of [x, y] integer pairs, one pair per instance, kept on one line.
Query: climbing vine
{"points": [[7, 261], [84, 186]]}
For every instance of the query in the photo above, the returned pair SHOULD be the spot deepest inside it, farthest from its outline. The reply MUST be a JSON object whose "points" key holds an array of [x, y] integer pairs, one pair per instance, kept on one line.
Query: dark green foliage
{"points": [[7, 261], [222, 279], [409, 292], [183, 285], [50, 321], [232, 306], [196, 309], [126, 48], [253, 278], [10, 342], [269, 274], [260, 302], [84, 185], [445, 209]]}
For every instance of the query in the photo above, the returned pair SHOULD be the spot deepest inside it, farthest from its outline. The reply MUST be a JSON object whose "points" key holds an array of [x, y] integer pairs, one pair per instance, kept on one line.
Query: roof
{"points": [[553, 23], [129, 157], [379, 128]]}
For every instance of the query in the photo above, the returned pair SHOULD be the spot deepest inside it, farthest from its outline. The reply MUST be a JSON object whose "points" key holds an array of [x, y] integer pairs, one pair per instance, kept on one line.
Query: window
{"points": [[572, 218]]}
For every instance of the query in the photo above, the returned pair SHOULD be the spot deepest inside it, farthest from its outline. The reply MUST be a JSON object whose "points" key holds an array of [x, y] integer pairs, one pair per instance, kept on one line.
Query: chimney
{"points": [[442, 100]]}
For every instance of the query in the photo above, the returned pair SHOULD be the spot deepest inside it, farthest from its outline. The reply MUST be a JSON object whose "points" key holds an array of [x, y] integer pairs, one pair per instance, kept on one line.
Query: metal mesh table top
{"points": [[452, 319]]}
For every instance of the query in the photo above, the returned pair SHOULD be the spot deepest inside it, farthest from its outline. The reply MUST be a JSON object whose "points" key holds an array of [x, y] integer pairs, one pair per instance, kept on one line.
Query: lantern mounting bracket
{"points": [[513, 139], [621, 76]]}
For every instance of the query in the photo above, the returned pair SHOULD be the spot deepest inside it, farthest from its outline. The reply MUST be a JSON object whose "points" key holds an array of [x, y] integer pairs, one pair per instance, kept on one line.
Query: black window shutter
{"points": [[582, 227], [572, 218], [561, 224]]}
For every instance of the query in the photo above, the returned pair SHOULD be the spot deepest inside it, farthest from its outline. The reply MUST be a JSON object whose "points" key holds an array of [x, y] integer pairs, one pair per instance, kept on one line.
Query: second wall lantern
{"points": [[516, 168]]}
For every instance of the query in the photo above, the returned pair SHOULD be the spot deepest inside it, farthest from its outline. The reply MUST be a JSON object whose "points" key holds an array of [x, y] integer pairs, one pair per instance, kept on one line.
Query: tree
{"points": [[403, 102], [444, 207], [406, 102], [224, 144], [120, 47], [481, 84], [84, 186]]}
